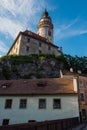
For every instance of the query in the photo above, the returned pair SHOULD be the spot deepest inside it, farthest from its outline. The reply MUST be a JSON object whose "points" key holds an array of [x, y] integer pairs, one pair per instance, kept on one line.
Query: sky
{"points": [[69, 18]]}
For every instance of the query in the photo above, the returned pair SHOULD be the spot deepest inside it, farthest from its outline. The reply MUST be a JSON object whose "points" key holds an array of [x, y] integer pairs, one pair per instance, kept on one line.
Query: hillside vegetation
{"points": [[39, 66]]}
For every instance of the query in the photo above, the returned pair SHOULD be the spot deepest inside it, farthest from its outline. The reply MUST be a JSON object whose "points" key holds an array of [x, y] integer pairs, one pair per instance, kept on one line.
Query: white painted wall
{"points": [[69, 109]]}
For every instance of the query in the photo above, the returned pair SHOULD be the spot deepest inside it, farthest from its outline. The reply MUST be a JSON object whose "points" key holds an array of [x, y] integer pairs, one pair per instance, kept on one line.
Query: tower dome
{"points": [[45, 27]]}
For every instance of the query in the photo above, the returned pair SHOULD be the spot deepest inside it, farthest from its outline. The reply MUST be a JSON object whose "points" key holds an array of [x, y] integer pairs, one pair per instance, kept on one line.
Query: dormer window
{"points": [[41, 84], [5, 85]]}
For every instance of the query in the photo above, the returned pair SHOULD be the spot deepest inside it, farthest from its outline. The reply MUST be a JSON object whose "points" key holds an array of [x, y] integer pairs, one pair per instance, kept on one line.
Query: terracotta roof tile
{"points": [[37, 86]]}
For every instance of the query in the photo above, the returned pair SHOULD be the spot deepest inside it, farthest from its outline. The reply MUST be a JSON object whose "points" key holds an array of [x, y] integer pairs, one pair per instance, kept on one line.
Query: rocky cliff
{"points": [[33, 66]]}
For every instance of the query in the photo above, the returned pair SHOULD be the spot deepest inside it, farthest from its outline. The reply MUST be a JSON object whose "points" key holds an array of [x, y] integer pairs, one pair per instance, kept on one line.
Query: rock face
{"points": [[20, 67]]}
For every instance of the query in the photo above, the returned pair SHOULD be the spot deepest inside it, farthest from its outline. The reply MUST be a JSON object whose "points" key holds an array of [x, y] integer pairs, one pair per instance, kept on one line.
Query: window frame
{"points": [[58, 106], [28, 40], [40, 51], [40, 105], [40, 44], [49, 33], [49, 47], [22, 104], [8, 103], [5, 122], [82, 97], [27, 48]]}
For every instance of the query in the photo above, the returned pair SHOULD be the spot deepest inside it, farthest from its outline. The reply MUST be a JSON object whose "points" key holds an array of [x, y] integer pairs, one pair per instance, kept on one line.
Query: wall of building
{"points": [[83, 96], [26, 45], [69, 108], [34, 47], [15, 49]]}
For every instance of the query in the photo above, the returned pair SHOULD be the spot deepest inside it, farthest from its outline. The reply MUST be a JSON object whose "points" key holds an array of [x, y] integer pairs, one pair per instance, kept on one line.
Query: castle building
{"points": [[28, 42]]}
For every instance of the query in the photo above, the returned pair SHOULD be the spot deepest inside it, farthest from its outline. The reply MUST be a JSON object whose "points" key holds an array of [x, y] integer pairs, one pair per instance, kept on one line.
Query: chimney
{"points": [[71, 69], [75, 84], [61, 74], [79, 72]]}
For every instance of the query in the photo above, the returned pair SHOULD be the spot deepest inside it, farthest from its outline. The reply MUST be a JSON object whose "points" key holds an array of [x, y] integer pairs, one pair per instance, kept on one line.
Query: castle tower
{"points": [[45, 27]]}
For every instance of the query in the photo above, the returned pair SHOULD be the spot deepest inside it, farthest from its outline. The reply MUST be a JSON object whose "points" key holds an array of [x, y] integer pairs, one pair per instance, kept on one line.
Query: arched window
{"points": [[49, 32]]}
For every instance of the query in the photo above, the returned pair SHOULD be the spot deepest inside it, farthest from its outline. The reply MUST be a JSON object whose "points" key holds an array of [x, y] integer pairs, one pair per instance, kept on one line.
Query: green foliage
{"points": [[77, 63], [5, 72], [64, 61], [22, 59]]}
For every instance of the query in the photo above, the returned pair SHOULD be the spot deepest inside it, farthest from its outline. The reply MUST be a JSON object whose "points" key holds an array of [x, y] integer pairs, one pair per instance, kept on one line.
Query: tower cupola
{"points": [[45, 27]]}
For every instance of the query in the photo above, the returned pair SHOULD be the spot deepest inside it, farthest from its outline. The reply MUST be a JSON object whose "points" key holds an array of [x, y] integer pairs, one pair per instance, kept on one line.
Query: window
{"points": [[39, 51], [86, 84], [81, 97], [39, 44], [5, 122], [49, 33], [42, 103], [8, 103], [30, 121], [49, 48], [56, 104], [23, 103], [81, 83], [41, 84], [28, 40], [27, 48], [84, 114]]}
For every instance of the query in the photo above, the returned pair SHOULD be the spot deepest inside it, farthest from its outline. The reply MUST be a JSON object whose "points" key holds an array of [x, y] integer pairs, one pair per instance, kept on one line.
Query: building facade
{"points": [[22, 101], [28, 42], [83, 97], [82, 92]]}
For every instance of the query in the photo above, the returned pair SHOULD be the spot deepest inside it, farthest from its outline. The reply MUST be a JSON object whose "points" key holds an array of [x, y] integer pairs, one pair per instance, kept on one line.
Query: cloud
{"points": [[71, 29], [10, 27], [22, 9], [17, 15], [3, 47]]}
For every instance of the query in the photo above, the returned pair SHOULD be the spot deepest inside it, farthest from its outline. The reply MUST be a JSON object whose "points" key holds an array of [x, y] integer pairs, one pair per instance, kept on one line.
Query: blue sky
{"points": [[68, 16]]}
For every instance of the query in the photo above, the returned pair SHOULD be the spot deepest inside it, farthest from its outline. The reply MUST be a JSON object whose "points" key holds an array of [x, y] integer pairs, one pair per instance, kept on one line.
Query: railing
{"points": [[63, 124]]}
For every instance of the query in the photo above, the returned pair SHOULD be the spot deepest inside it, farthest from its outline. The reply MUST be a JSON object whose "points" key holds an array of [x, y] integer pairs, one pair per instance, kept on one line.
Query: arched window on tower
{"points": [[49, 32]]}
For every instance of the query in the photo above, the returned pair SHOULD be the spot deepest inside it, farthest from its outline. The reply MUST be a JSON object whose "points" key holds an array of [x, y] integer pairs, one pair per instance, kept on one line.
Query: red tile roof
{"points": [[46, 86], [37, 36]]}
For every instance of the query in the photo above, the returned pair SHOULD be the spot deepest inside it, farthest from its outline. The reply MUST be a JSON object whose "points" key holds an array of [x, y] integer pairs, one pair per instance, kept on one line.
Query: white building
{"points": [[38, 99]]}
